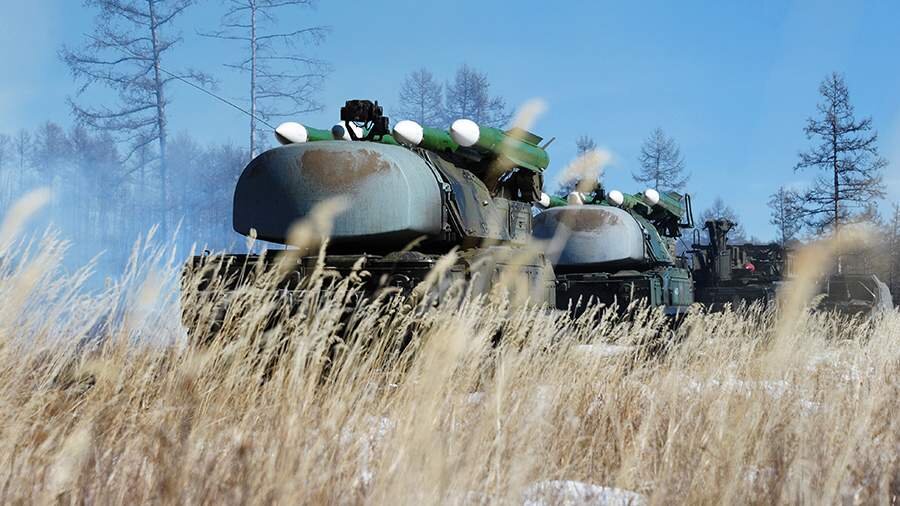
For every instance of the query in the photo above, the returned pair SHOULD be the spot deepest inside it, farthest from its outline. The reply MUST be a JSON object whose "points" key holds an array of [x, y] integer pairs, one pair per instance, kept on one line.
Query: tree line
{"points": [[101, 201], [113, 174]]}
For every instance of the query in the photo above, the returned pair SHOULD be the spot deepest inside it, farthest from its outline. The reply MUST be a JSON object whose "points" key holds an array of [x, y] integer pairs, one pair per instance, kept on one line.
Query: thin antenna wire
{"points": [[204, 90]]}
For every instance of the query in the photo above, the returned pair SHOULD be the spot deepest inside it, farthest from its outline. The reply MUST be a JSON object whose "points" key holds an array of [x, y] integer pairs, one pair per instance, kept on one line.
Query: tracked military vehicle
{"points": [[854, 293], [615, 249], [414, 194], [731, 274]]}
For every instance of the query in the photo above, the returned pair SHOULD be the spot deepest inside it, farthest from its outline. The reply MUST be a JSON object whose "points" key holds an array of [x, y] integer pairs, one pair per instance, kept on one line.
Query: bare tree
{"points": [[662, 165], [283, 81], [784, 214], [894, 251], [848, 152], [18, 180], [5, 149], [468, 96], [94, 183], [125, 53], [5, 180], [583, 145], [421, 99], [50, 153], [719, 210], [22, 147]]}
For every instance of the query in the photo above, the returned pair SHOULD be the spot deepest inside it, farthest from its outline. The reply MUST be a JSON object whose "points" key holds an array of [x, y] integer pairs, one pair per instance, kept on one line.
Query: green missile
{"points": [[410, 133], [669, 202], [635, 202], [548, 201], [650, 203], [517, 146], [295, 133]]}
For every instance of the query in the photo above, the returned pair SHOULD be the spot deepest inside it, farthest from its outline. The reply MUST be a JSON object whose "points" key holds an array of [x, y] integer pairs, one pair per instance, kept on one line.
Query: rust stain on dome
{"points": [[341, 170], [586, 219]]}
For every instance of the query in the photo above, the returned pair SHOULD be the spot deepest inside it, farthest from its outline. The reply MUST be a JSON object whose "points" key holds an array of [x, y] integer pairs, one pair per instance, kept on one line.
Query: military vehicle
{"points": [[414, 194], [729, 274], [615, 249], [859, 294]]}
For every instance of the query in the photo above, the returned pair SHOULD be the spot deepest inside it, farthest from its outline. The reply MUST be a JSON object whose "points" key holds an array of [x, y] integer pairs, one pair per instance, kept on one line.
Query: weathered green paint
{"points": [[634, 202], [493, 141], [435, 139], [317, 134], [388, 139], [671, 204], [518, 151], [557, 201], [656, 244]]}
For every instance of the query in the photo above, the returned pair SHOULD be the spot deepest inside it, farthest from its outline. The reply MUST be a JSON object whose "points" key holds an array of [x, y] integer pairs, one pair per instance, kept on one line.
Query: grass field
{"points": [[102, 401]]}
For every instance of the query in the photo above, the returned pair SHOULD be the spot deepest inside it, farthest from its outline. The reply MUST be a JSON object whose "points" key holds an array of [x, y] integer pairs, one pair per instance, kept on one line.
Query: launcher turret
{"points": [[670, 212], [488, 152]]}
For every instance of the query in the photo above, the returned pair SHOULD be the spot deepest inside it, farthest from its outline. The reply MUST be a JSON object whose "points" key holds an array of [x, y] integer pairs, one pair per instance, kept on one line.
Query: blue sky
{"points": [[732, 82]]}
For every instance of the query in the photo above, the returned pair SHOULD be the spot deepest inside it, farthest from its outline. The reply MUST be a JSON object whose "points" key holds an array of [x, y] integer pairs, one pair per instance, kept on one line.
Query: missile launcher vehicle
{"points": [[616, 249], [414, 194]]}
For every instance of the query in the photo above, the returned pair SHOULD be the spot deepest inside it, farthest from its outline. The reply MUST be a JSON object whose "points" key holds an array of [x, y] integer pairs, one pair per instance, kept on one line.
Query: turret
{"points": [[455, 187]]}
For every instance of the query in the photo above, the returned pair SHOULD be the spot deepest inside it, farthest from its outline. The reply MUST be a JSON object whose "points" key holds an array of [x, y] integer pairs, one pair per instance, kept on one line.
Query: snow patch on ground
{"points": [[604, 350], [378, 429], [576, 493]]}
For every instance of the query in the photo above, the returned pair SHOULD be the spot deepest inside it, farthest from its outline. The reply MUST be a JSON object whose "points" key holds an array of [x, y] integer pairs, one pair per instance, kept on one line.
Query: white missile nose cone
{"points": [[465, 132], [408, 132], [291, 133], [575, 199], [545, 200], [615, 197], [652, 196]]}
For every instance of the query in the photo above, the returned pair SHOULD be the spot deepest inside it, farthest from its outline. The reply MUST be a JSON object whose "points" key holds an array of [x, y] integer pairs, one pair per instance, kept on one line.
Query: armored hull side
{"points": [[395, 197]]}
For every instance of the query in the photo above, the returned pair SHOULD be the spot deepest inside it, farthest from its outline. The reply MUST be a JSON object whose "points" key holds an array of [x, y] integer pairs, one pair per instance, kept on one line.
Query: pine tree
{"points": [[784, 214], [468, 96], [719, 210], [421, 99], [847, 153], [662, 166]]}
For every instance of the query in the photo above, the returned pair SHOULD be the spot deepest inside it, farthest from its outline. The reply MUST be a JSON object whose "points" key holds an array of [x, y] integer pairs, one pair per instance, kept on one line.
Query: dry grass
{"points": [[101, 401]]}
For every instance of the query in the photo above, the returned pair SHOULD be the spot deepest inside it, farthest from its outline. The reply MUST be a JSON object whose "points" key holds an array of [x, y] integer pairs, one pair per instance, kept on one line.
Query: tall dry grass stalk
{"points": [[103, 401]]}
